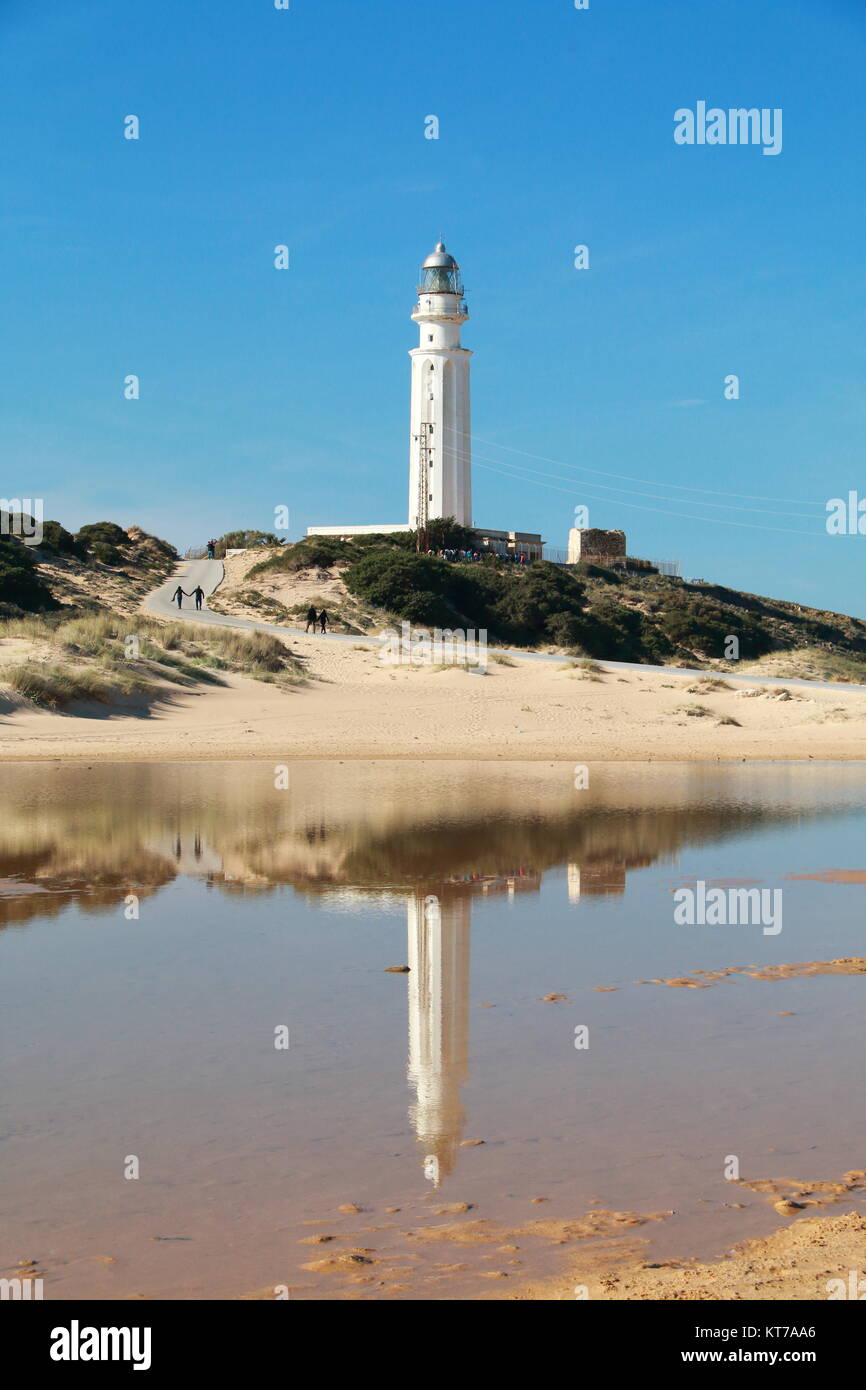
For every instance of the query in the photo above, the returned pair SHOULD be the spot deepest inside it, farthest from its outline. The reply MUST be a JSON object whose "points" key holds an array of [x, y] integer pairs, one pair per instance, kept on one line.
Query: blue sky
{"points": [[261, 388]]}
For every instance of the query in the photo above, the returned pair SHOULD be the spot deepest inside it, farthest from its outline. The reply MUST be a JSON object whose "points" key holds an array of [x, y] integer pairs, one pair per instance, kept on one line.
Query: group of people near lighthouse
{"points": [[473, 556]]}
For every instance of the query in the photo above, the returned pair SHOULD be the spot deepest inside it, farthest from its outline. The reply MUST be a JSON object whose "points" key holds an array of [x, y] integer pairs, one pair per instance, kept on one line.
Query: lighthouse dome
{"points": [[440, 273], [440, 259]]}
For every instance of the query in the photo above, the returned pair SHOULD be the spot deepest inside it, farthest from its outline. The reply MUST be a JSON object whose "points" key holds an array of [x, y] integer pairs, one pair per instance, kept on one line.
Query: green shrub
{"points": [[244, 540], [57, 539], [587, 570], [417, 588], [700, 625], [106, 554], [444, 533], [105, 531], [316, 552], [20, 582], [541, 602], [624, 634]]}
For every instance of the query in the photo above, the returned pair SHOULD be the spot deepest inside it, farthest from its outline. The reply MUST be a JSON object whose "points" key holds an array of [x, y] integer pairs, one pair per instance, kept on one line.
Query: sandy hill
{"points": [[580, 609]]}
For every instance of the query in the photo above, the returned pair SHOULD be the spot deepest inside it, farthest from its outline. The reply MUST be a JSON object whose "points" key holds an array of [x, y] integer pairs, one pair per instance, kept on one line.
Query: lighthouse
{"points": [[440, 450], [440, 458]]}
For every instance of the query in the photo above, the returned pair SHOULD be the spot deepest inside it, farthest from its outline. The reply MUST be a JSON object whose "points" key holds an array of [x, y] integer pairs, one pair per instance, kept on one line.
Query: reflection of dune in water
{"points": [[92, 835], [57, 874]]}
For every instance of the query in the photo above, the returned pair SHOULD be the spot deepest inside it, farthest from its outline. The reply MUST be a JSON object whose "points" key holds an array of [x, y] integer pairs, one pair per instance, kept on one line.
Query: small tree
{"points": [[56, 538], [20, 582], [444, 533], [106, 532], [246, 540]]}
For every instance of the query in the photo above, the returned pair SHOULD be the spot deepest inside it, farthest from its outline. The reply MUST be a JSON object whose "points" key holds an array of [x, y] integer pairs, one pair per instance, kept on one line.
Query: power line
{"points": [[685, 516], [626, 477], [727, 506]]}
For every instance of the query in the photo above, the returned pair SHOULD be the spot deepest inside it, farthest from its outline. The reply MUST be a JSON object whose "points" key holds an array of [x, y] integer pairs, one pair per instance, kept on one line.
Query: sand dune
{"points": [[353, 706]]}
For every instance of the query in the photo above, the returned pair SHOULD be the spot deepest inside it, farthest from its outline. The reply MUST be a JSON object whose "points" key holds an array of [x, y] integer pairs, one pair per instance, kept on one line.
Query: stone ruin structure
{"points": [[596, 547]]}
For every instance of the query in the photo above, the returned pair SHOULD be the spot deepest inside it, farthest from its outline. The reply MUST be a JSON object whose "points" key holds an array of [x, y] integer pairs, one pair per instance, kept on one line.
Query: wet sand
{"points": [[810, 1259]]}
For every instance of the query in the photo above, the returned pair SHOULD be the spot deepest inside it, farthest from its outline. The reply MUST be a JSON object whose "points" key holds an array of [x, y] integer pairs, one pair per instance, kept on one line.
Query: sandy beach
{"points": [[354, 706]]}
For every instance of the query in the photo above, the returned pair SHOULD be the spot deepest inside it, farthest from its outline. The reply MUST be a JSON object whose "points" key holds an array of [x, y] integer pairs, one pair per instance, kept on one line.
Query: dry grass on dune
{"points": [[583, 668], [706, 684], [808, 663], [53, 686], [99, 657]]}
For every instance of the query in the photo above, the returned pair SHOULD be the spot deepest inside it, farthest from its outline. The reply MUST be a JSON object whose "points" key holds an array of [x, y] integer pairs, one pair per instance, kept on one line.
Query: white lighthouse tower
{"points": [[440, 458], [440, 452]]}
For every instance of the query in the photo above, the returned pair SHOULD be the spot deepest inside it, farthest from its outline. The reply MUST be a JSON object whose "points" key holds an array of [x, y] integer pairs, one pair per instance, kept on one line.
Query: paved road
{"points": [[209, 574], [193, 573]]}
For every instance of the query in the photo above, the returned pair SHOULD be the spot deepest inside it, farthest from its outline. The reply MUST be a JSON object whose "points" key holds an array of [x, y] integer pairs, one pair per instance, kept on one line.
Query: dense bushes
{"points": [[547, 603], [623, 634], [109, 544], [316, 552], [540, 603], [321, 552], [244, 540], [102, 540], [57, 539], [415, 587], [20, 584], [106, 554], [444, 533], [102, 532], [703, 626], [587, 570]]}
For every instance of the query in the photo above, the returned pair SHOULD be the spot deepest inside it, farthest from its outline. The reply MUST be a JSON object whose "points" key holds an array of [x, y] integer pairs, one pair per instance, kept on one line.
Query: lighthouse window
{"points": [[429, 337]]}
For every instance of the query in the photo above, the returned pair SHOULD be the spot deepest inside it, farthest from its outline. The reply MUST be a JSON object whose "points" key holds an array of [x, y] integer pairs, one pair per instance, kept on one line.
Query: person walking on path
{"points": [[198, 595], [323, 620], [179, 595], [312, 619]]}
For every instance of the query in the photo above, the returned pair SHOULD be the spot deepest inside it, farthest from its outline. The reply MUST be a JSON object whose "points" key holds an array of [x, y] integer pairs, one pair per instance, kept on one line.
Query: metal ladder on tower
{"points": [[423, 485]]}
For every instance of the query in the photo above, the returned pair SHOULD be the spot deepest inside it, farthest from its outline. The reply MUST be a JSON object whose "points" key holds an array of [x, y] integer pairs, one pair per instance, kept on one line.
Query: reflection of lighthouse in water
{"points": [[438, 1025]]}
